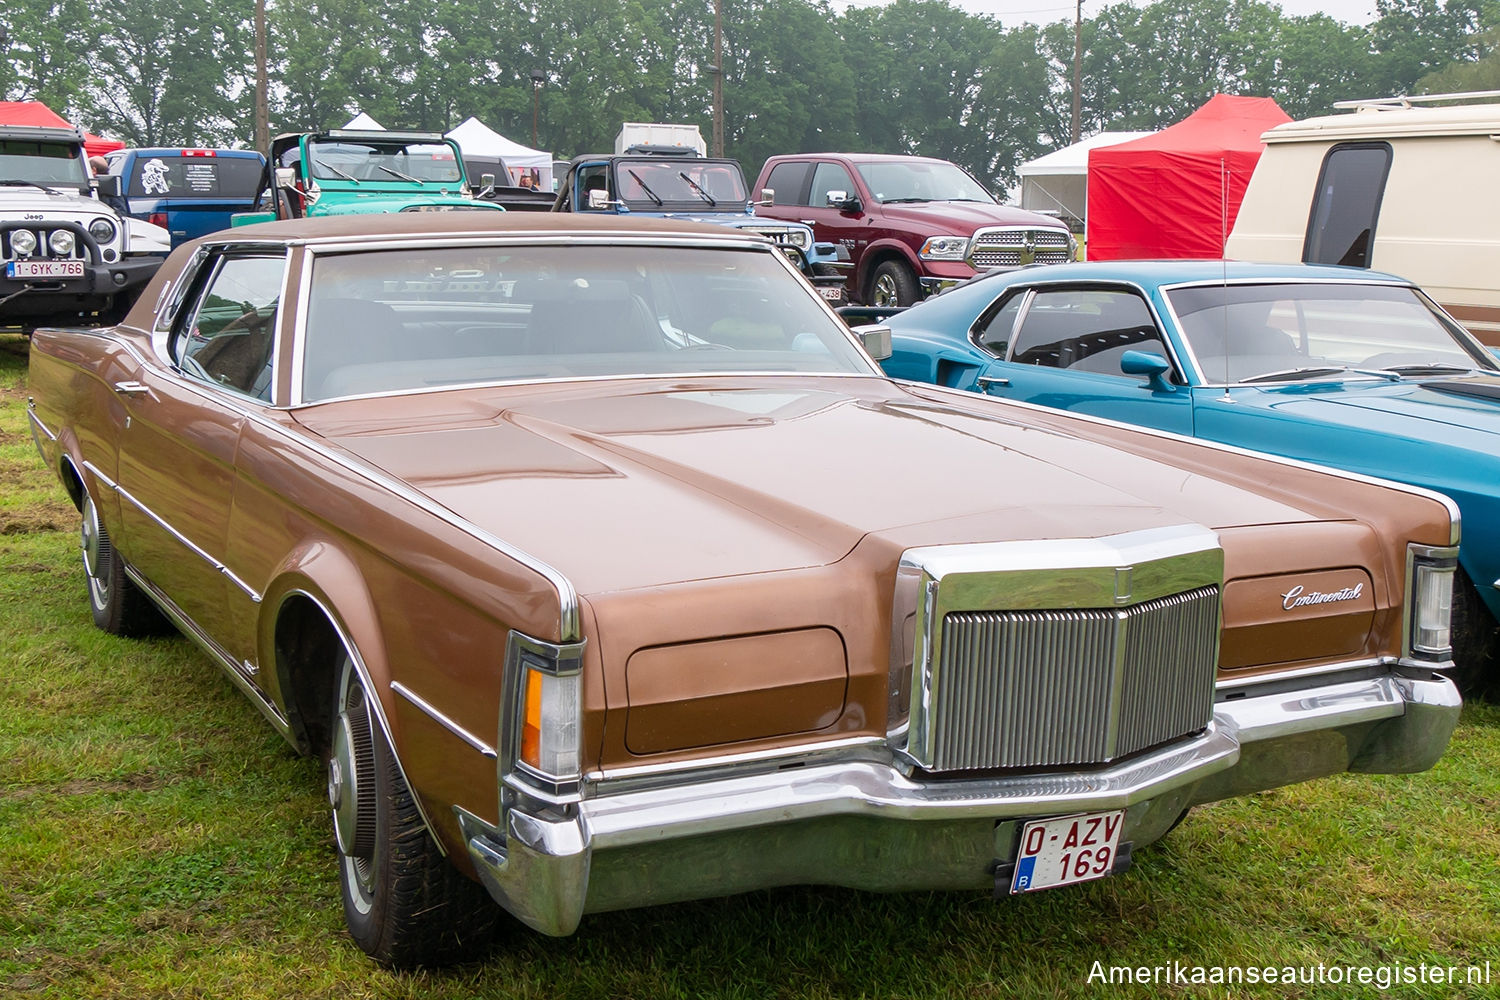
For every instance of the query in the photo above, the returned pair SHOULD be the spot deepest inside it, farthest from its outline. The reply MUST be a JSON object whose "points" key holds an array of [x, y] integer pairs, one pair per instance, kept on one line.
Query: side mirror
{"points": [[876, 340], [285, 177], [109, 185], [843, 201], [486, 185], [598, 199], [767, 197], [1150, 364]]}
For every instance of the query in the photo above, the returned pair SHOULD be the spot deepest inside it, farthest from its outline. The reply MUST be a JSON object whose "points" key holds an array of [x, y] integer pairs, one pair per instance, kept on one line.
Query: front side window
{"points": [[1346, 205], [384, 321], [1085, 330], [827, 178], [229, 336]]}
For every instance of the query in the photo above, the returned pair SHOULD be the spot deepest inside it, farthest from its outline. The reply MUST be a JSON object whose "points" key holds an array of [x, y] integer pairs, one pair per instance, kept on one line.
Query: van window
{"points": [[1346, 205], [207, 177]]}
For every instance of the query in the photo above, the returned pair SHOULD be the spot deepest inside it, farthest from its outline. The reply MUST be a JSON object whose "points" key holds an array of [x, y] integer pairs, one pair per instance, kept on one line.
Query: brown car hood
{"points": [[629, 484]]}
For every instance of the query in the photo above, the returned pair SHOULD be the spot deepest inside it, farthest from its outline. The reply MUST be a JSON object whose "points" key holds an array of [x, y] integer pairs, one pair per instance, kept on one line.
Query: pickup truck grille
{"points": [[1017, 246], [1077, 686]]}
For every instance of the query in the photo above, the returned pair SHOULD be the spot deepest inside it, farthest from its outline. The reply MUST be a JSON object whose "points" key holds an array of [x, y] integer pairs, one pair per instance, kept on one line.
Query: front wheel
{"points": [[404, 903], [892, 284]]}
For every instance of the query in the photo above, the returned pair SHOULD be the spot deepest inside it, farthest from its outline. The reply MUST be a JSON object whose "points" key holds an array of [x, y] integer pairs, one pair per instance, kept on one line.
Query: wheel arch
{"points": [[878, 253]]}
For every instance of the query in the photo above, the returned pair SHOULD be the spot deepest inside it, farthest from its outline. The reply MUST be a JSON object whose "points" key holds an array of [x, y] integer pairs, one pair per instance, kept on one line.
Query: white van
{"points": [[1396, 185]]}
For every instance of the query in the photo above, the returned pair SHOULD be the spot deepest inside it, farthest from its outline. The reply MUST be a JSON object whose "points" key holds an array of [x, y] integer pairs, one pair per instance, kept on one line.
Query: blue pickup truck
{"points": [[188, 192]]}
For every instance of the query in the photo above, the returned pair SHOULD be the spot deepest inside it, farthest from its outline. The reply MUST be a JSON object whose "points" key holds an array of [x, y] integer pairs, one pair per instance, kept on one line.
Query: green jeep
{"points": [[349, 172]]}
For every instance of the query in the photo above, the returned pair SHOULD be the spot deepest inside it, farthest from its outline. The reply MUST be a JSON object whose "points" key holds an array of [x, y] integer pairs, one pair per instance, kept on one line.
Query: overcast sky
{"points": [[1046, 11]]}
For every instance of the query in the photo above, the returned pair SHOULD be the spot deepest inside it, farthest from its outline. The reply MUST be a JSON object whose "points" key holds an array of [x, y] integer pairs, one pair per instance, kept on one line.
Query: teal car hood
{"points": [[1412, 409]]}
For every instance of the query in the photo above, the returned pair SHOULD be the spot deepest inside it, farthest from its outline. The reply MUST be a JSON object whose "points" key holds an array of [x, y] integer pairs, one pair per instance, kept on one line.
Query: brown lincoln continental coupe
{"points": [[604, 568]]}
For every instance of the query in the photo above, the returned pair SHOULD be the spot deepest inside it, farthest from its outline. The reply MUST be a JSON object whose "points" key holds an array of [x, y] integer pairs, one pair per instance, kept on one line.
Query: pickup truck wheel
{"points": [[892, 284], [117, 603], [405, 904], [1476, 640]]}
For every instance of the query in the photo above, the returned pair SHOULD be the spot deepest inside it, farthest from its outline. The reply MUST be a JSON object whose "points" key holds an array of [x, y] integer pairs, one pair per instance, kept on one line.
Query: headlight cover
{"points": [[945, 248], [1430, 601]]}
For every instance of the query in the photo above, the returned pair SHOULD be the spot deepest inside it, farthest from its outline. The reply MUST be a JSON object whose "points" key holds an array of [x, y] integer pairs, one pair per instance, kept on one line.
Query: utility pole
{"points": [[718, 81], [1077, 67], [537, 76], [262, 84]]}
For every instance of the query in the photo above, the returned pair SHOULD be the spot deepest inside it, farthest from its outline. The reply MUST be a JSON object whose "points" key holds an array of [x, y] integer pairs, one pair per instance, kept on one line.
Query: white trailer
{"points": [[660, 134]]}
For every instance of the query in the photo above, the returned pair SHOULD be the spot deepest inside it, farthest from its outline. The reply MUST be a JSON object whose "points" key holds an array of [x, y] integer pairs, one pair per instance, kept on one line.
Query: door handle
{"points": [[132, 388], [988, 382]]}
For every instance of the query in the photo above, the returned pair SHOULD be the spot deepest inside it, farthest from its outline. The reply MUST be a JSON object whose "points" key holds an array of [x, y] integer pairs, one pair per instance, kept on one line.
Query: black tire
{"points": [[404, 903], [892, 284], [1476, 641], [117, 603]]}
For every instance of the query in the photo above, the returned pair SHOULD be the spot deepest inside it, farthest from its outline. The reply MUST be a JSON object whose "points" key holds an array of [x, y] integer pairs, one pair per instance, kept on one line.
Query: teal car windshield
{"points": [[375, 161], [1306, 330]]}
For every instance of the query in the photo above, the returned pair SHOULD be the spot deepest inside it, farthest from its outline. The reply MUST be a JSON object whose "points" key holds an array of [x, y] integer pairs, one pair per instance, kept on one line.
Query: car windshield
{"points": [[1300, 331], [649, 183], [384, 161], [921, 180], [54, 164], [388, 321]]}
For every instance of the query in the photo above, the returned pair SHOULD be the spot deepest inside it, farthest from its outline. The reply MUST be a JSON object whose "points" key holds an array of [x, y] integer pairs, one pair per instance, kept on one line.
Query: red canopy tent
{"points": [[37, 113], [1175, 193]]}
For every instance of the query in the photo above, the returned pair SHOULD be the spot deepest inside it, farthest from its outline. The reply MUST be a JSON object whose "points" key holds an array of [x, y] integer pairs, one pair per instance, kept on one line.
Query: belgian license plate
{"points": [[833, 293], [1066, 850], [44, 269]]}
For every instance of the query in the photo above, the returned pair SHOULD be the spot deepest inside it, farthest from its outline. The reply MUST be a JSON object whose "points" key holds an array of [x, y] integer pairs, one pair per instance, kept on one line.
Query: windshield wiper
{"points": [[645, 187], [902, 201], [1297, 374], [396, 173], [39, 187], [1432, 368], [330, 167], [712, 202]]}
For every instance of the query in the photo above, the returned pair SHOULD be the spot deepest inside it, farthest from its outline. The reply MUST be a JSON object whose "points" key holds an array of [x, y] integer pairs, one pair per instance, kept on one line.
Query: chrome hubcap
{"points": [[96, 553], [351, 787], [885, 291]]}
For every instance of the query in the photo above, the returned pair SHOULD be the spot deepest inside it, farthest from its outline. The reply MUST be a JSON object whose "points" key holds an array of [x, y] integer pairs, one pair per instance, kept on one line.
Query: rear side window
{"points": [[187, 177], [1346, 205]]}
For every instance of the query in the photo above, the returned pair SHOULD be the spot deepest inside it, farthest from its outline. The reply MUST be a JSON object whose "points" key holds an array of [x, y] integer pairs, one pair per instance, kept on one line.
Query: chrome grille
{"points": [[1067, 687], [1018, 246]]}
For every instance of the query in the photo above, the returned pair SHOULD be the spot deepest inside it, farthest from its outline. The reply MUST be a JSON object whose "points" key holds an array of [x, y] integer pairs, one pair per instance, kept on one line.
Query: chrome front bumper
{"points": [[864, 824]]}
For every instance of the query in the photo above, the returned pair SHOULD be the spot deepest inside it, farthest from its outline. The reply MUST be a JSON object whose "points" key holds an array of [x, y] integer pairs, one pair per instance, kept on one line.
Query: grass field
{"points": [[158, 840]]}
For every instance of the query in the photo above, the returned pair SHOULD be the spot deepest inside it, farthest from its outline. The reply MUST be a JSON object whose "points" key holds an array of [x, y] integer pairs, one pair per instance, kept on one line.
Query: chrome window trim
{"points": [[1200, 380], [161, 341], [161, 522], [1455, 520], [427, 709], [172, 295]]}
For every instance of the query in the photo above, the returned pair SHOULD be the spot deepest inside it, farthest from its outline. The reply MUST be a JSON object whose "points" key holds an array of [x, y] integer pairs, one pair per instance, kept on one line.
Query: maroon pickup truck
{"points": [[909, 224]]}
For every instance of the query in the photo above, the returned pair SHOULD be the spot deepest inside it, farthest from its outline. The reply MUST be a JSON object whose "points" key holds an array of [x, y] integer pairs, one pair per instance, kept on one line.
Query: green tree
{"points": [[47, 56]]}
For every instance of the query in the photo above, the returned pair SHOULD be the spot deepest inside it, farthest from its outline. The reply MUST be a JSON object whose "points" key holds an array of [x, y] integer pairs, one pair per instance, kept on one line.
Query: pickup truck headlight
{"points": [[545, 684], [1431, 601], [800, 238], [945, 248]]}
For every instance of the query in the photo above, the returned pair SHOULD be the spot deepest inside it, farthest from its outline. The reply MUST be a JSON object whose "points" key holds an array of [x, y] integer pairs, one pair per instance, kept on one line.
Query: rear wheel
{"points": [[892, 284], [404, 903], [1476, 640], [117, 603]]}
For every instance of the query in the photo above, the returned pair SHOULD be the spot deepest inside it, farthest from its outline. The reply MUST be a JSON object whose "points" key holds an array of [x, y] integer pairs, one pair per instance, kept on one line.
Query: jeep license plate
{"points": [[833, 293], [44, 269], [1066, 850]]}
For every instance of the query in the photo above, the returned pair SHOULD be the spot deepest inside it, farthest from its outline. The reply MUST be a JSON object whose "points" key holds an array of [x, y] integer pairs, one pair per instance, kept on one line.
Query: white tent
{"points": [[477, 139], [365, 122], [1057, 184]]}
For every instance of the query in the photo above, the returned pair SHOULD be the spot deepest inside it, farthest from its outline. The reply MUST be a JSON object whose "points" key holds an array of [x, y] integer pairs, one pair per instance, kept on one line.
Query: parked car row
{"points": [[604, 567]]}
